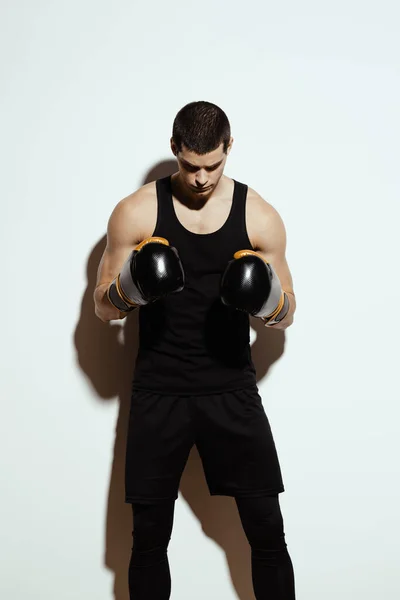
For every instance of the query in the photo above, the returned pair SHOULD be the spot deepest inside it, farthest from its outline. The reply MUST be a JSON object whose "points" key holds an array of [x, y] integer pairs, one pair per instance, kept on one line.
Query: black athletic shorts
{"points": [[232, 434]]}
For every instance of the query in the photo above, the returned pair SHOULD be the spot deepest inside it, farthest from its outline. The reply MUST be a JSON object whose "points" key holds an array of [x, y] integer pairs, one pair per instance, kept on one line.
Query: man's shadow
{"points": [[106, 354]]}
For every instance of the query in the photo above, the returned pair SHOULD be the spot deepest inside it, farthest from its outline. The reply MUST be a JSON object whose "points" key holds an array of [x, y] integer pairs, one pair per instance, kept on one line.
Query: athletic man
{"points": [[197, 253]]}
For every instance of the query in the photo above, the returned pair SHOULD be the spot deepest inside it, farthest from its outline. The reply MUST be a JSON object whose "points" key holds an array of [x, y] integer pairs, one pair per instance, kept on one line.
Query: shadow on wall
{"points": [[106, 354]]}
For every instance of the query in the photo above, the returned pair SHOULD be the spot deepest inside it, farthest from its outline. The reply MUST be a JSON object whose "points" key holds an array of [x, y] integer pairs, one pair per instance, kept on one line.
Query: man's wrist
{"points": [[279, 313]]}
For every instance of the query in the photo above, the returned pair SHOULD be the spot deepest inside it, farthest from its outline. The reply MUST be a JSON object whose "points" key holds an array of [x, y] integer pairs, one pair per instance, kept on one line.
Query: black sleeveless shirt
{"points": [[189, 342]]}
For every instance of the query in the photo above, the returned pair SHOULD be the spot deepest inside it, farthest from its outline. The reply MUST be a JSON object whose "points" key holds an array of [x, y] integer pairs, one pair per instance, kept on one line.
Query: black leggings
{"points": [[272, 570]]}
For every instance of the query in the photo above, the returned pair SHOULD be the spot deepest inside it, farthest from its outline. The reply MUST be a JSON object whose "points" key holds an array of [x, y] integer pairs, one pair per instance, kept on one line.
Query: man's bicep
{"points": [[123, 235], [271, 244]]}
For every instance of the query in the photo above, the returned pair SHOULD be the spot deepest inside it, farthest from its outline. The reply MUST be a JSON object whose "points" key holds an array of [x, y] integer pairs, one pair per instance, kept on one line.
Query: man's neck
{"points": [[191, 201]]}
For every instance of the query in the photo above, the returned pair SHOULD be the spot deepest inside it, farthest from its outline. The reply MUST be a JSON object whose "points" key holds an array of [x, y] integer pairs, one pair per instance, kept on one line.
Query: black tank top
{"points": [[189, 342]]}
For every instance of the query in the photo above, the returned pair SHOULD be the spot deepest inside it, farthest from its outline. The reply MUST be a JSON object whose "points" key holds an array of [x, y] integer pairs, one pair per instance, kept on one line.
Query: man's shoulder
{"points": [[138, 210], [140, 197], [260, 213], [139, 202], [257, 203]]}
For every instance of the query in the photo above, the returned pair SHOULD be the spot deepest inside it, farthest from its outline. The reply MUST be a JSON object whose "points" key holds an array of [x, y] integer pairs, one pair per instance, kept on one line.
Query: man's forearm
{"points": [[103, 307], [100, 296]]}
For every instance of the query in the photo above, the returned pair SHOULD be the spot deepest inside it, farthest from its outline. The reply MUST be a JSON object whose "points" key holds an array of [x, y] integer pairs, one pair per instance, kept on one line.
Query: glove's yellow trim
{"points": [[241, 253], [159, 240]]}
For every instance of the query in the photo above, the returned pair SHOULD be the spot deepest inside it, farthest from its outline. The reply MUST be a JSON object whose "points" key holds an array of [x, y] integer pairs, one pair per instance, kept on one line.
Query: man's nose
{"points": [[201, 178]]}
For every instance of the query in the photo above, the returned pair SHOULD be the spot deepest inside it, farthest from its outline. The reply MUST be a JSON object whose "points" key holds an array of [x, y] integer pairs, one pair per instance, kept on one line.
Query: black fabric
{"points": [[232, 434], [191, 343], [271, 565], [261, 518], [149, 574]]}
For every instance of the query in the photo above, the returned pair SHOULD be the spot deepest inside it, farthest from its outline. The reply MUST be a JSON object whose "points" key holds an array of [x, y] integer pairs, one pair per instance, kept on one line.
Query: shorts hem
{"points": [[248, 493], [213, 392]]}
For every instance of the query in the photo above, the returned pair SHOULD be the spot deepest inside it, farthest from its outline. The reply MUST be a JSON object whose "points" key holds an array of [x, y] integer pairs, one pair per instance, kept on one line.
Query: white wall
{"points": [[89, 93]]}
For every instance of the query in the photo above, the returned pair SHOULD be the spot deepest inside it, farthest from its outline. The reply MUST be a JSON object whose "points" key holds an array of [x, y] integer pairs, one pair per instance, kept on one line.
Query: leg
{"points": [[149, 575], [272, 569]]}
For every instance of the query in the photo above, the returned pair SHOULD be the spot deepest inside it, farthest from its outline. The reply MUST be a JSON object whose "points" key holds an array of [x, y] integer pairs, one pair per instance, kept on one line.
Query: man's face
{"points": [[200, 174]]}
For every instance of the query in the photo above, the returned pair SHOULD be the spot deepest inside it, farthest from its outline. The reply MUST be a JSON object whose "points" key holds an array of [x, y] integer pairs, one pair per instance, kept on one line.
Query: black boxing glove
{"points": [[250, 283], [152, 270]]}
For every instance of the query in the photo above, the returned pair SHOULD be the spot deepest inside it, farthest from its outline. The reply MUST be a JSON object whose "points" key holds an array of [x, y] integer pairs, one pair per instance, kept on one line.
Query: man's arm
{"points": [[123, 235], [268, 235]]}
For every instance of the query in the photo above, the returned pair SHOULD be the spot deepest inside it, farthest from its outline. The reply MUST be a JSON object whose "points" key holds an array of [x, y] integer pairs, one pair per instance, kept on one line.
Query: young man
{"points": [[196, 253]]}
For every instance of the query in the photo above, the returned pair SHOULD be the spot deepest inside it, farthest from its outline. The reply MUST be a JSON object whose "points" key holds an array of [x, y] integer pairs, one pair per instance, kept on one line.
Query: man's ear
{"points": [[229, 148], [173, 147]]}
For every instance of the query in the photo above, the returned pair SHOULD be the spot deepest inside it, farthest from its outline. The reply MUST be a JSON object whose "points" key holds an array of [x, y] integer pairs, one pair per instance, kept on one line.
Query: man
{"points": [[197, 253]]}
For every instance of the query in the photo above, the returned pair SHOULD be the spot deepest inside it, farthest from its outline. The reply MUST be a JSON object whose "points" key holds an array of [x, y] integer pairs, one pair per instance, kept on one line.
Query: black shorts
{"points": [[232, 434]]}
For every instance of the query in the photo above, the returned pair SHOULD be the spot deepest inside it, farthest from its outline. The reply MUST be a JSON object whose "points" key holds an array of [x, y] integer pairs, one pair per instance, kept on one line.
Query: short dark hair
{"points": [[201, 127]]}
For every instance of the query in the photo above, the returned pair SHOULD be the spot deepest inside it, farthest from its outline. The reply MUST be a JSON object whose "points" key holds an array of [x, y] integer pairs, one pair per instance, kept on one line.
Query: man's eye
{"points": [[195, 169]]}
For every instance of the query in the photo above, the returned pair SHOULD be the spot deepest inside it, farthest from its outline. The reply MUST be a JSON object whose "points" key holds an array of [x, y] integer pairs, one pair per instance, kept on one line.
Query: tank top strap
{"points": [[165, 209], [237, 220]]}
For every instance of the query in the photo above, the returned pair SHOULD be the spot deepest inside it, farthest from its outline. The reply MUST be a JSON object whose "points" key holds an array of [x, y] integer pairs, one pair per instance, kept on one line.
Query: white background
{"points": [[89, 91]]}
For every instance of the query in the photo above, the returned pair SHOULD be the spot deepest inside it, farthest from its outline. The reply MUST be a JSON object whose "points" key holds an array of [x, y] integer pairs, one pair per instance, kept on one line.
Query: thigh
{"points": [[235, 442], [159, 440]]}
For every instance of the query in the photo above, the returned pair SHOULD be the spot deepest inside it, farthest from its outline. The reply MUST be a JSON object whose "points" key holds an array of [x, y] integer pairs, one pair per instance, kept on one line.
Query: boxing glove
{"points": [[152, 270], [250, 283]]}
